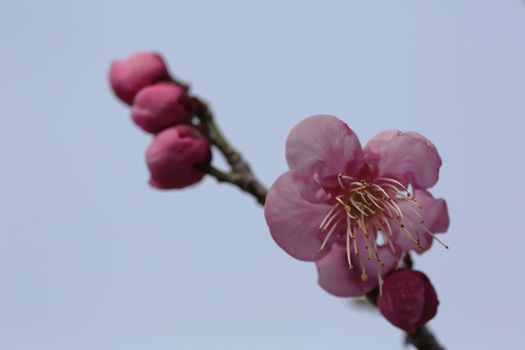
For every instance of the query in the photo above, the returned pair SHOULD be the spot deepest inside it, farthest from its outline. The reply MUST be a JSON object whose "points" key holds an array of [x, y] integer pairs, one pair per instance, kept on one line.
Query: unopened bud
{"points": [[159, 106], [176, 156], [130, 75], [408, 299]]}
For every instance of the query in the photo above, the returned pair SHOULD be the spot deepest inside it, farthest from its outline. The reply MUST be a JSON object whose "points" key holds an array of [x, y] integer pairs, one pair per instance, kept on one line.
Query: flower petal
{"points": [[406, 156], [435, 216], [323, 146], [295, 207], [336, 278]]}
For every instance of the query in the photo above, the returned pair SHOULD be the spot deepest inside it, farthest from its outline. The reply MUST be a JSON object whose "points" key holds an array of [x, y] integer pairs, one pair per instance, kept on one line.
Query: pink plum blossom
{"points": [[130, 75], [408, 299], [355, 211], [175, 155], [160, 105]]}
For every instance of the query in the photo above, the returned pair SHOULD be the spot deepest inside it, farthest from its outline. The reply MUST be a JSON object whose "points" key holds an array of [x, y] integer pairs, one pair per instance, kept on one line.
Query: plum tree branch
{"points": [[423, 339], [240, 174]]}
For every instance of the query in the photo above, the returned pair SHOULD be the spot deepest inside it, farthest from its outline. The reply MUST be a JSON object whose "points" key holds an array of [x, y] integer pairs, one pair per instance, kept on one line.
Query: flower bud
{"points": [[408, 299], [128, 76], [174, 156], [159, 106]]}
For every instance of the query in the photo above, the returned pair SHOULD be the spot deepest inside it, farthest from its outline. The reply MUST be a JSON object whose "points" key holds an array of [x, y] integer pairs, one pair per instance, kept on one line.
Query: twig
{"points": [[245, 183], [241, 174], [423, 339]]}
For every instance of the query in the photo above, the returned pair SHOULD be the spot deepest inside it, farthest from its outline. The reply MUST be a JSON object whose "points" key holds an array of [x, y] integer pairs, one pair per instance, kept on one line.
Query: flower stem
{"points": [[242, 176]]}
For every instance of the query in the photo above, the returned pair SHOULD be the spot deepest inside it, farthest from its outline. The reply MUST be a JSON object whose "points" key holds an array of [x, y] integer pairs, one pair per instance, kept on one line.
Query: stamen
{"points": [[349, 227], [357, 205], [372, 252], [409, 236], [329, 234], [347, 208], [379, 279], [361, 223], [380, 189], [339, 177], [351, 216], [373, 200], [388, 226], [388, 210], [397, 209], [359, 186], [397, 190], [348, 251], [435, 237], [369, 251], [326, 224], [388, 241], [388, 179], [410, 200], [366, 207], [373, 240], [330, 212], [340, 200], [346, 177], [362, 195], [364, 276], [419, 216]]}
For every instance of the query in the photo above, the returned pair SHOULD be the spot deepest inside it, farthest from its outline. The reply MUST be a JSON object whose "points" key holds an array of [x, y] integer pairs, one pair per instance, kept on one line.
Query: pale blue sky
{"points": [[92, 258]]}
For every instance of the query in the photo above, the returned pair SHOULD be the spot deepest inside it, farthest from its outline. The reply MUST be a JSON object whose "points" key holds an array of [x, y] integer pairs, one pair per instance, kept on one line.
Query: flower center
{"points": [[366, 213]]}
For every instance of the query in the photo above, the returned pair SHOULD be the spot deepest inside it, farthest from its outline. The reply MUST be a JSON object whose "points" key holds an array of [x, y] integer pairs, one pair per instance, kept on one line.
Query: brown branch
{"points": [[241, 174], [245, 183], [423, 339]]}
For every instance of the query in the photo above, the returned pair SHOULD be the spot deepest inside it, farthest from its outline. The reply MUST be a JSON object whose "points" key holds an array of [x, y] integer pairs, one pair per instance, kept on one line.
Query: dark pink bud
{"points": [[409, 299], [128, 76], [174, 156], [160, 105]]}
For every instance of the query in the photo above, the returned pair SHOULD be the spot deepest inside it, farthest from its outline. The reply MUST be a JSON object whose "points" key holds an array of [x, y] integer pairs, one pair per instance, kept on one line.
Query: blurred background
{"points": [[92, 258]]}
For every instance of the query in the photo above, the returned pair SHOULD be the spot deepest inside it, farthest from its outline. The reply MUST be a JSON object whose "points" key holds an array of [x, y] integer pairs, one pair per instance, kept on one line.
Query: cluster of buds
{"points": [[162, 107]]}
